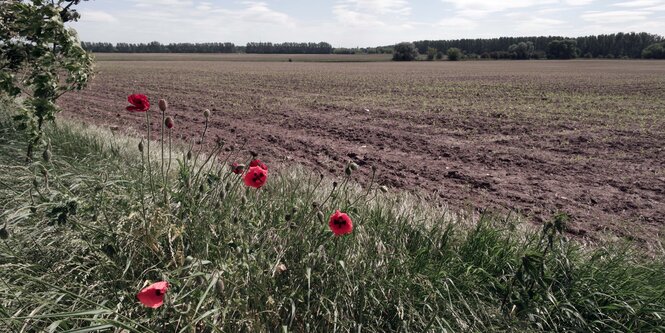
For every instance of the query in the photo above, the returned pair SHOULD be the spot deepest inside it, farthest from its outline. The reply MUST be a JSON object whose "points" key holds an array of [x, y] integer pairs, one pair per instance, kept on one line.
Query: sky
{"points": [[359, 23]]}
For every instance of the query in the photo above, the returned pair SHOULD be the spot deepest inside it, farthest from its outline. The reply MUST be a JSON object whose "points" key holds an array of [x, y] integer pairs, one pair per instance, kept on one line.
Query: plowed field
{"points": [[535, 137]]}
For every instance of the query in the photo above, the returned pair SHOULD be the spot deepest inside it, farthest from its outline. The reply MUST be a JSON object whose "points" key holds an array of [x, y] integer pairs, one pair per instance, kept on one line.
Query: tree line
{"points": [[157, 47], [289, 48], [619, 45]]}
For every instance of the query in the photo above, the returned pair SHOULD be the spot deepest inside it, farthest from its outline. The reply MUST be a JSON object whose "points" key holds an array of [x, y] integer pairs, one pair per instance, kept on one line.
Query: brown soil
{"points": [[585, 138]]}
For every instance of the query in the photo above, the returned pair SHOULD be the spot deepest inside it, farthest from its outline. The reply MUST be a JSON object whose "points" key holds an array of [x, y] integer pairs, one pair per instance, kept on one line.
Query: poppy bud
{"points": [[222, 194], [163, 105], [353, 166], [348, 170], [206, 113], [320, 216], [243, 199], [4, 234], [253, 153], [287, 217], [315, 204], [141, 146], [168, 122], [189, 155], [373, 168], [47, 155], [334, 184], [35, 183], [383, 189]]}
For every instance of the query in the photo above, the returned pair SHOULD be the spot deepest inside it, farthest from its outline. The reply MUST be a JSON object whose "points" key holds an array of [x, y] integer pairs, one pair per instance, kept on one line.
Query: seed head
{"points": [[47, 155], [206, 113], [348, 170], [4, 234], [168, 122], [219, 285], [141, 146], [320, 216], [163, 105], [353, 166]]}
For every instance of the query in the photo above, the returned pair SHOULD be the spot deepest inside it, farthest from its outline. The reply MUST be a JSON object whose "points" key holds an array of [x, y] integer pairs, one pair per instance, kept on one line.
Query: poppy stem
{"points": [[203, 136], [152, 184], [145, 217], [168, 166], [161, 143]]}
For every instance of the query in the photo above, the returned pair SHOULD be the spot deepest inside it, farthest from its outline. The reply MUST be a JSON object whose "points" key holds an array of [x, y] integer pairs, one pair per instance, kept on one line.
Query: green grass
{"points": [[80, 247]]}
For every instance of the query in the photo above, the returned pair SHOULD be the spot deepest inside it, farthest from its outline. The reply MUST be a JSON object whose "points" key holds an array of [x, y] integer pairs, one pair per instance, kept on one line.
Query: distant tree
{"points": [[562, 49], [588, 55], [431, 53], [654, 51], [454, 54], [439, 55], [405, 52], [521, 50]]}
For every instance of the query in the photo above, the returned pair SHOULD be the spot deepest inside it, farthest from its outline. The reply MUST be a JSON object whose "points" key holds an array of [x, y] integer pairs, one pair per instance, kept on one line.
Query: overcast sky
{"points": [[350, 23]]}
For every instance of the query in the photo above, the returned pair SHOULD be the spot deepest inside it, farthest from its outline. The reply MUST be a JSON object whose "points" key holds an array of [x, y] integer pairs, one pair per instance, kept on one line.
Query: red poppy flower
{"points": [[258, 163], [256, 177], [237, 168], [152, 296], [340, 223], [139, 103]]}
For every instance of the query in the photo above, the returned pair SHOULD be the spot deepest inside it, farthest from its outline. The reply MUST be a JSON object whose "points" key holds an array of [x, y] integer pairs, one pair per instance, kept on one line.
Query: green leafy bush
{"points": [[40, 60]]}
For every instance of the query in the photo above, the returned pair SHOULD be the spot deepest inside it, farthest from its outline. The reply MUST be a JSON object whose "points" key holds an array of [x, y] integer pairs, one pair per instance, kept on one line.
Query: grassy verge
{"points": [[84, 233]]}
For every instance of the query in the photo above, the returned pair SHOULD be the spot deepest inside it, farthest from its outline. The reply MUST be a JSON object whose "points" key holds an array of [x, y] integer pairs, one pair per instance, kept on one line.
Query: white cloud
{"points": [[372, 13], [97, 16], [480, 8], [261, 13], [381, 7], [639, 3], [163, 3], [348, 17], [578, 2], [614, 17]]}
